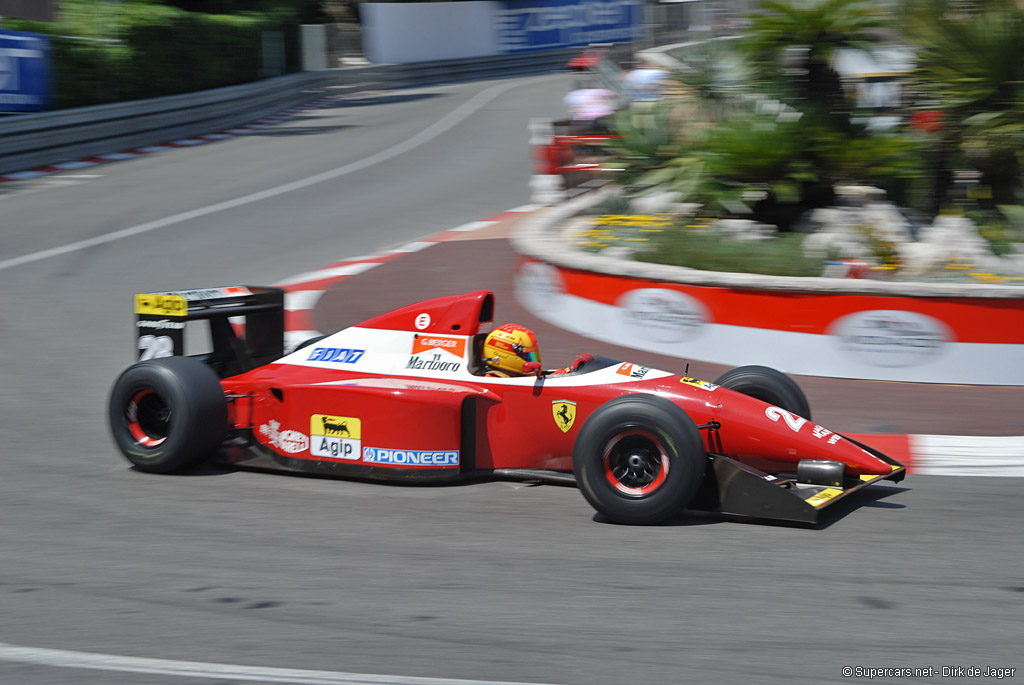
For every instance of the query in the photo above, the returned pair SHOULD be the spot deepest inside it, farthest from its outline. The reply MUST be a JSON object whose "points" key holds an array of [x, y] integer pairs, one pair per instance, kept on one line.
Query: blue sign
{"points": [[342, 355], [24, 71], [524, 25], [378, 455]]}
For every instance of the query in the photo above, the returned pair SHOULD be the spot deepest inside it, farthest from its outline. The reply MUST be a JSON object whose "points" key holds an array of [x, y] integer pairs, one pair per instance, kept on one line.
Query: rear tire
{"points": [[767, 385], [639, 459], [308, 342], [167, 414]]}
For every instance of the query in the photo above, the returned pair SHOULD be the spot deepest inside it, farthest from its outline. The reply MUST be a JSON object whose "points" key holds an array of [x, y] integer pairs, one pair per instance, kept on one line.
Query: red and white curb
{"points": [[245, 130], [302, 292], [952, 455]]}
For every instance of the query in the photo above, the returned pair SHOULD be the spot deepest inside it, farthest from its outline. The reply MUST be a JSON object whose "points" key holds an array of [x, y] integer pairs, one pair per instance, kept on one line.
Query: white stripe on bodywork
{"points": [[387, 352], [959, 455]]}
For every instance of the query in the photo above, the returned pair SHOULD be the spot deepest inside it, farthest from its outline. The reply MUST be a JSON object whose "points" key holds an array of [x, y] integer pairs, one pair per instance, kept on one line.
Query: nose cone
{"points": [[859, 461], [752, 428]]}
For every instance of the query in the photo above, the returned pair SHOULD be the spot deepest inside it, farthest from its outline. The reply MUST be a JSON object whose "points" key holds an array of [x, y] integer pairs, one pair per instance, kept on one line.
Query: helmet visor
{"points": [[522, 353]]}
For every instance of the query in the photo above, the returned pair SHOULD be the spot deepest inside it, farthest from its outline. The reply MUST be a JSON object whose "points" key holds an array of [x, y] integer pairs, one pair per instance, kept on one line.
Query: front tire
{"points": [[167, 414], [768, 385], [639, 459]]}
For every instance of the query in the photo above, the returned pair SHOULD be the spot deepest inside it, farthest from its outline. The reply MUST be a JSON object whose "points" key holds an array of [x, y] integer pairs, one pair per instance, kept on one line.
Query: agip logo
{"points": [[160, 305], [335, 437]]}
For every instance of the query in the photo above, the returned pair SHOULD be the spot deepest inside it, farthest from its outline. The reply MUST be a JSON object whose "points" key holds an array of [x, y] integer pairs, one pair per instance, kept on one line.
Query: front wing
{"points": [[733, 488]]}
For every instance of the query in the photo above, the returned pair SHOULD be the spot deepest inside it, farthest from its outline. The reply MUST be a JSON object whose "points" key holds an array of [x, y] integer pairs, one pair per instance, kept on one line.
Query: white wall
{"points": [[395, 33], [314, 47]]}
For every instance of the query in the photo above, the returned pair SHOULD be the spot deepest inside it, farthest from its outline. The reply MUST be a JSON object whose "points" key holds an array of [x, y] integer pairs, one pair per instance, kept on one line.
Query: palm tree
{"points": [[969, 61], [799, 39]]}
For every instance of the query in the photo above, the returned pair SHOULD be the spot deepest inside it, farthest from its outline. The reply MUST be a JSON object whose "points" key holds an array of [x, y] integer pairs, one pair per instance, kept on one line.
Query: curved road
{"points": [[483, 582]]}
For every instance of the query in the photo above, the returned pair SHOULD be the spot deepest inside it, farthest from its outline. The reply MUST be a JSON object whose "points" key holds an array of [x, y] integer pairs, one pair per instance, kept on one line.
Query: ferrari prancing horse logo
{"points": [[564, 412]]}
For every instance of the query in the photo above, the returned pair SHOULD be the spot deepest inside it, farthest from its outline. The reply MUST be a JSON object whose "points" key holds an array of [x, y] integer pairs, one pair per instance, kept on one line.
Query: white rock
{"points": [[618, 251], [744, 229], [654, 203], [857, 194]]}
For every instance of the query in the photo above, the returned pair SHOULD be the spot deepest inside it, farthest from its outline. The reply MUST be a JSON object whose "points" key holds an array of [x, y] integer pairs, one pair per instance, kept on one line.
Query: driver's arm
{"points": [[578, 363]]}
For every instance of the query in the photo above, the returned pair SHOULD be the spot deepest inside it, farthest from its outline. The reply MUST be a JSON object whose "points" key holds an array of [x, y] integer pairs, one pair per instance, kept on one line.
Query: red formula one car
{"points": [[402, 396]]}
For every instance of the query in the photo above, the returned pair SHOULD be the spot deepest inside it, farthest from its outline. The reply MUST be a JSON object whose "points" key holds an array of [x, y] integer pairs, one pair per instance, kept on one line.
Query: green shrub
{"points": [[710, 251], [192, 52], [108, 52], [1002, 229], [892, 161]]}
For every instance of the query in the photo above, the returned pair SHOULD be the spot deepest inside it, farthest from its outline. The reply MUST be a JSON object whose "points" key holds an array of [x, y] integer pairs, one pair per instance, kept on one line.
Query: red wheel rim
{"points": [[148, 418], [635, 463]]}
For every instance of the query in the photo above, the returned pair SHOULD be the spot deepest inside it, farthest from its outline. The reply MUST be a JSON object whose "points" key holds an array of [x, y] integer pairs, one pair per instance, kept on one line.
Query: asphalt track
{"points": [[483, 582]]}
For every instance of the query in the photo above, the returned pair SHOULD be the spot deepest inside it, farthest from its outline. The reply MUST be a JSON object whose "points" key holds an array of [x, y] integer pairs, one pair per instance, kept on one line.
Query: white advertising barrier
{"points": [[843, 328], [399, 33], [422, 32]]}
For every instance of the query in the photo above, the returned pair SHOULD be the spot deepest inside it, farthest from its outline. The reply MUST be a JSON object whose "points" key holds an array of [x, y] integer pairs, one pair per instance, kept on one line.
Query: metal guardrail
{"points": [[33, 140]]}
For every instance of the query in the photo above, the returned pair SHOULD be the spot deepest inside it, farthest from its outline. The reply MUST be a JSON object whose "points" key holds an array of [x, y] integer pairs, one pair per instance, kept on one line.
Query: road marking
{"points": [[198, 669], [472, 226], [329, 272], [438, 128], [301, 299], [415, 246]]}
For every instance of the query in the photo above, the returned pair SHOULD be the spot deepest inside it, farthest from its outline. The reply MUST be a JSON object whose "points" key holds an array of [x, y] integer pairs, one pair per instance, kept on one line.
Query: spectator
{"points": [[590, 109], [645, 84]]}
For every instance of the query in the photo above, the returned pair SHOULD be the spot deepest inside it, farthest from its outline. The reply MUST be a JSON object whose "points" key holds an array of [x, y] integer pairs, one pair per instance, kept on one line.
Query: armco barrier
{"points": [[33, 140], [845, 328]]}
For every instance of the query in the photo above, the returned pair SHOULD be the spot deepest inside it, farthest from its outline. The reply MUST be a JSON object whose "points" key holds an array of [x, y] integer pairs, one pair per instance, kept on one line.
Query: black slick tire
{"points": [[639, 459], [768, 385], [168, 414], [308, 342]]}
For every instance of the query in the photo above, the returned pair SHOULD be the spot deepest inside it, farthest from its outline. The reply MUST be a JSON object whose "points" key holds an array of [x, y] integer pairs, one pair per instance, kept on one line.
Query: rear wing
{"points": [[246, 325]]}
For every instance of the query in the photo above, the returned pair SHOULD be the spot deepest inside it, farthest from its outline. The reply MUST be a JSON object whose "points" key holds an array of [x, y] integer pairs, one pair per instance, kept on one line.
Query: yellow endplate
{"points": [[870, 477], [824, 496]]}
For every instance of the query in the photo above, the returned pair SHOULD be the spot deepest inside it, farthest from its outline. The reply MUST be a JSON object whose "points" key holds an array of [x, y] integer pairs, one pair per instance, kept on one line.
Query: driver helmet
{"points": [[508, 347]]}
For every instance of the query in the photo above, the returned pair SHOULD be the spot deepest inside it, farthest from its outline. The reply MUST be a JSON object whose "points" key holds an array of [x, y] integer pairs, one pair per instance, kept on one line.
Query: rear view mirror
{"points": [[531, 367]]}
